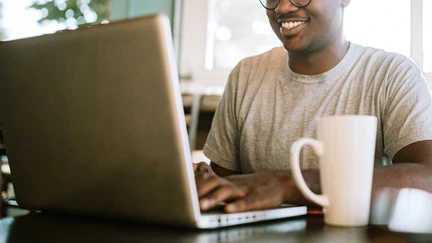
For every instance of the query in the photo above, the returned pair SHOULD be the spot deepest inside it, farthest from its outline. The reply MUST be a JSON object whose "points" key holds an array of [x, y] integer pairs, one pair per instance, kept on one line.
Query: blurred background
{"points": [[216, 35]]}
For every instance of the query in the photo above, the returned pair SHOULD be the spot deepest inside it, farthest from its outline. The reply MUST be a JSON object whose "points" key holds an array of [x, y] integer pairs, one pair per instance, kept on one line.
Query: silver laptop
{"points": [[93, 124]]}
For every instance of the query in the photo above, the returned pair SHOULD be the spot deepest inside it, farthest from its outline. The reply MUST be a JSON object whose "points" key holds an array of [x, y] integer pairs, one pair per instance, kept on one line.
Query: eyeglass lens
{"points": [[272, 4]]}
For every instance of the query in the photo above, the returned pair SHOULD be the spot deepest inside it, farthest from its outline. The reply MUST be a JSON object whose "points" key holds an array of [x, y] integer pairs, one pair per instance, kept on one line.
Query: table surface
{"points": [[40, 227]]}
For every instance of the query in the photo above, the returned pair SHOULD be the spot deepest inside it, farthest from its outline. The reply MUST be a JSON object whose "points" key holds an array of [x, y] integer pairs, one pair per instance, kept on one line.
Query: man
{"points": [[273, 99]]}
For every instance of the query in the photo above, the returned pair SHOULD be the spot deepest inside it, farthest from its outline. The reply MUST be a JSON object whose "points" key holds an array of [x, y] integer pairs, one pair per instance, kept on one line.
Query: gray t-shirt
{"points": [[266, 107]]}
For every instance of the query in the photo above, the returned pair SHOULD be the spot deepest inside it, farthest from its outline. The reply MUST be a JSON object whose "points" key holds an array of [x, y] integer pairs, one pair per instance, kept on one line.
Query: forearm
{"points": [[402, 175], [396, 176]]}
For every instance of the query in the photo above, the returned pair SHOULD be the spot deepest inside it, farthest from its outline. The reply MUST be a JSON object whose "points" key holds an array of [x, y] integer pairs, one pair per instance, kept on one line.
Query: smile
{"points": [[291, 25]]}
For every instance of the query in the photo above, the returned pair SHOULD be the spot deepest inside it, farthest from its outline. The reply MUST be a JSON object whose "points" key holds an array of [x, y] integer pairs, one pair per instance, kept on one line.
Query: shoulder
{"points": [[381, 58], [387, 68]]}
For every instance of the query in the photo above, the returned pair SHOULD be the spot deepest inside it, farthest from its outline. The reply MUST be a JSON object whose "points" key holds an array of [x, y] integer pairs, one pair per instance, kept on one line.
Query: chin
{"points": [[293, 48]]}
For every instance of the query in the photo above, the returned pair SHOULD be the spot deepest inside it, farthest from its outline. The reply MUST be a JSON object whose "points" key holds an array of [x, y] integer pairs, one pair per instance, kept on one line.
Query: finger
{"points": [[250, 203], [238, 206], [221, 194], [197, 166], [206, 183]]}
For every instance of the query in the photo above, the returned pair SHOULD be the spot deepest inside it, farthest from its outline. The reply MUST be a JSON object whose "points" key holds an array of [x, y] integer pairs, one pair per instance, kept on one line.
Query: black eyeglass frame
{"points": [[291, 1]]}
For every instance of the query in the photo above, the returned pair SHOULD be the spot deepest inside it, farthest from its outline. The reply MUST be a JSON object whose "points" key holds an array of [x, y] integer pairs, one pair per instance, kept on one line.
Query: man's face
{"points": [[305, 30]]}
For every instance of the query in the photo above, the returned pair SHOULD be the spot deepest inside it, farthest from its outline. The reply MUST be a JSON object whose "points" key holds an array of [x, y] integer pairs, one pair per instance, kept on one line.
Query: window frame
{"points": [[417, 36], [193, 45], [194, 33]]}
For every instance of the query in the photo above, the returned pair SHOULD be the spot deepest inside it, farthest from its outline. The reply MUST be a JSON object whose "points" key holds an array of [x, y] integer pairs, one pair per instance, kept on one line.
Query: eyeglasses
{"points": [[273, 4]]}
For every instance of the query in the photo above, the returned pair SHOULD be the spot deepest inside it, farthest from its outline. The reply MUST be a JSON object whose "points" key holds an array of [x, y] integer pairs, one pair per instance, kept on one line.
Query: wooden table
{"points": [[39, 227]]}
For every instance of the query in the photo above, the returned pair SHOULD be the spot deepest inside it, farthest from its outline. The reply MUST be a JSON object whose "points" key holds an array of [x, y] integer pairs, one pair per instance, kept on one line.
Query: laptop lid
{"points": [[93, 123]]}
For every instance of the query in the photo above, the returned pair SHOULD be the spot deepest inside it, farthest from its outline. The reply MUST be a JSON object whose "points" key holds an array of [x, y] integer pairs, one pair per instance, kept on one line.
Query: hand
{"points": [[202, 168], [242, 192]]}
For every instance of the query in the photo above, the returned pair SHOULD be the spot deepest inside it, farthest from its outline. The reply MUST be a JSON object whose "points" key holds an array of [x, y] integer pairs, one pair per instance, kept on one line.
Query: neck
{"points": [[320, 61]]}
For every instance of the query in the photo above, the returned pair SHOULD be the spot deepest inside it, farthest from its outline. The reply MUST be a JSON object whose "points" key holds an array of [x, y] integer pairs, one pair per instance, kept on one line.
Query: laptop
{"points": [[93, 124]]}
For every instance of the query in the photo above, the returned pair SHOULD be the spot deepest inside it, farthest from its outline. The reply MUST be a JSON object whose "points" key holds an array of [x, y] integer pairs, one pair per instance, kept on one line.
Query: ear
{"points": [[345, 3]]}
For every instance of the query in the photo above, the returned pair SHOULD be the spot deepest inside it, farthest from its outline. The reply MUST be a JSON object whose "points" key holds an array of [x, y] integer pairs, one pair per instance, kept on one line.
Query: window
{"points": [[25, 18], [19, 19], [218, 33], [229, 33], [388, 30], [427, 36]]}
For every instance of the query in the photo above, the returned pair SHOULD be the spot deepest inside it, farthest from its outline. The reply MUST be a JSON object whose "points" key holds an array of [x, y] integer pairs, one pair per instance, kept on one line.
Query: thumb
{"points": [[202, 168]]}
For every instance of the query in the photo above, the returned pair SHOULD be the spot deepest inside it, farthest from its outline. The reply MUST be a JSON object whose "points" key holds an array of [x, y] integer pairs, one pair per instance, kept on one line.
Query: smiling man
{"points": [[274, 98]]}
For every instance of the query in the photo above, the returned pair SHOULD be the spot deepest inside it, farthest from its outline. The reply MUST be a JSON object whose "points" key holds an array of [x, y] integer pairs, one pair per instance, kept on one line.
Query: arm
{"points": [[412, 168], [406, 128]]}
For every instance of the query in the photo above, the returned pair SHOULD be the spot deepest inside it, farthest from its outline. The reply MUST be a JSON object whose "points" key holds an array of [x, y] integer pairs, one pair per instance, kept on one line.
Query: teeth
{"points": [[290, 25]]}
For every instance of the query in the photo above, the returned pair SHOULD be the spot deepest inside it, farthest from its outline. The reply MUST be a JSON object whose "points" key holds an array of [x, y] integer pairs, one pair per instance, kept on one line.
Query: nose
{"points": [[285, 6]]}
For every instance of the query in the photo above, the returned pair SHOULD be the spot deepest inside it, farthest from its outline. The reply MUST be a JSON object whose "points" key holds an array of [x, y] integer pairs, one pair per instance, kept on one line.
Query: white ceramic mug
{"points": [[346, 150]]}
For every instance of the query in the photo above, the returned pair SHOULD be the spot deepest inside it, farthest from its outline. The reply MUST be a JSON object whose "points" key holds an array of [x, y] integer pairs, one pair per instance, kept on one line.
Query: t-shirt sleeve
{"points": [[222, 145], [408, 113]]}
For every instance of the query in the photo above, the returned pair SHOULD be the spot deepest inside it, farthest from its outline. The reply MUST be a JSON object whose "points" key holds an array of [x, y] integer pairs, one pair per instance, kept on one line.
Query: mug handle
{"points": [[296, 172]]}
